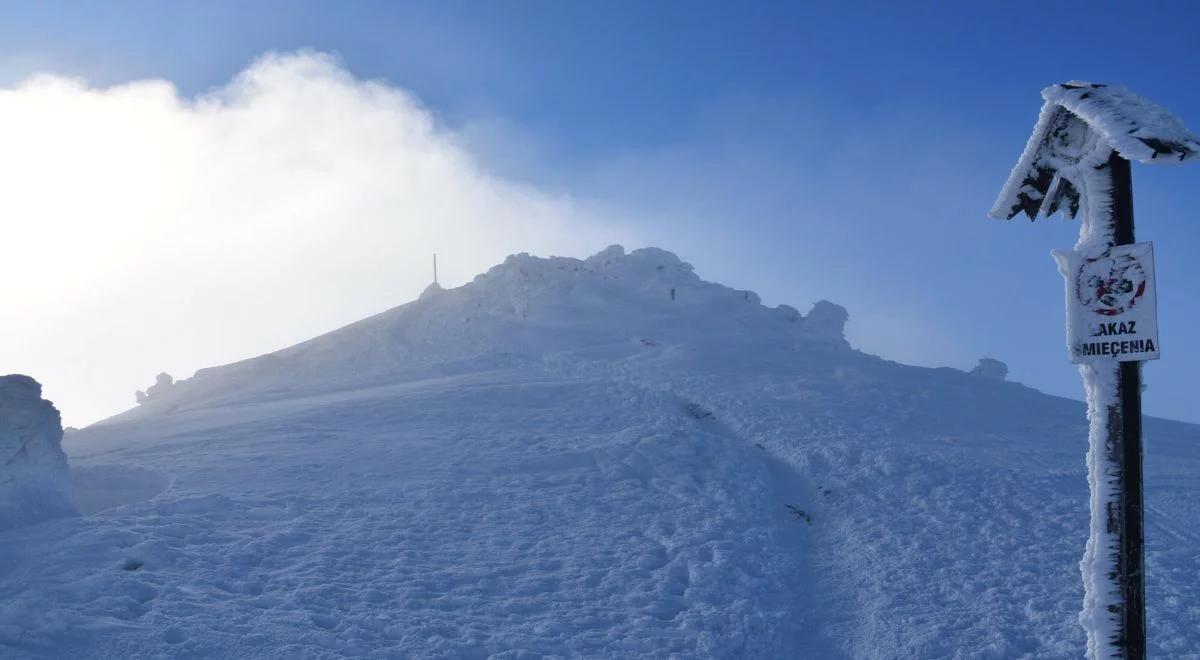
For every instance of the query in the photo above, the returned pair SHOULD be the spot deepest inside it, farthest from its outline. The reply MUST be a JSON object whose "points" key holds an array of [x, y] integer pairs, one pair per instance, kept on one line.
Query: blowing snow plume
{"points": [[290, 200]]}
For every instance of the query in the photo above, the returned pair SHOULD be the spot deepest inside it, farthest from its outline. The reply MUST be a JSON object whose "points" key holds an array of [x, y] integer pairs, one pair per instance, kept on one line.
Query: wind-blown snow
{"points": [[562, 459], [34, 483]]}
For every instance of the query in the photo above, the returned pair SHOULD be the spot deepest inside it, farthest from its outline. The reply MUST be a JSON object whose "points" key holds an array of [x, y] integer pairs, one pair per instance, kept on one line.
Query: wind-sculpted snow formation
{"points": [[605, 457], [34, 482]]}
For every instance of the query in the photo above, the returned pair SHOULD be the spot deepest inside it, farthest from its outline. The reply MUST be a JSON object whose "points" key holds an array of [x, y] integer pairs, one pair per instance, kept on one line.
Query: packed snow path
{"points": [[601, 458]]}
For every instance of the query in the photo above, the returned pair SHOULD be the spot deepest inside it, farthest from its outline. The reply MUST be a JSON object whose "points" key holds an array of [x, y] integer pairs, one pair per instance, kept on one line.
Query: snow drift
{"points": [[34, 482]]}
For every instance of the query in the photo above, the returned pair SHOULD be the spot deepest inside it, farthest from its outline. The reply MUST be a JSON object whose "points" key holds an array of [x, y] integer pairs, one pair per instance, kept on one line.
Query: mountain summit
{"points": [[523, 311]]}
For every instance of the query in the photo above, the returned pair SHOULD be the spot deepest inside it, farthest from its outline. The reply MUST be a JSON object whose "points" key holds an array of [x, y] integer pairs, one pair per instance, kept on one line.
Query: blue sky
{"points": [[802, 150]]}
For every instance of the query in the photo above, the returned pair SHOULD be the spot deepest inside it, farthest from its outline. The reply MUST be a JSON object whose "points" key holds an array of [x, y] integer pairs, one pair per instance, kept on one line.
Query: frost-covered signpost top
{"points": [[1077, 163]]}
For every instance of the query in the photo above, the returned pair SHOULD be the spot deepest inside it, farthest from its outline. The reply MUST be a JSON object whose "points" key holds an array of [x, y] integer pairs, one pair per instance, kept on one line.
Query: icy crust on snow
{"points": [[505, 515], [646, 505], [526, 310], [35, 484]]}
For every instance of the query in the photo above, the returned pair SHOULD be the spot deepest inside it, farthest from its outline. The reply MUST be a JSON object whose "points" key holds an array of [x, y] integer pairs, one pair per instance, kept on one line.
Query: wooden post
{"points": [[1125, 451]]}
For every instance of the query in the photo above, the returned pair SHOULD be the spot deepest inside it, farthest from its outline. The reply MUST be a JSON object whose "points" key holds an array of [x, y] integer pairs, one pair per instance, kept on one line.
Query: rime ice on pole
{"points": [[1080, 124], [1066, 167]]}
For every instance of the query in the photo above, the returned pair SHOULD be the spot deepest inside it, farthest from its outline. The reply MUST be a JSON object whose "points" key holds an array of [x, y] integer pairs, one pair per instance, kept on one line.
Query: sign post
{"points": [[1078, 158]]}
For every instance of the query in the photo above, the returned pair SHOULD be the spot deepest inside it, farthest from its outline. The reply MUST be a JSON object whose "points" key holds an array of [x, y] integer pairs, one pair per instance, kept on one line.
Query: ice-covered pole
{"points": [[1114, 609], [1078, 159]]}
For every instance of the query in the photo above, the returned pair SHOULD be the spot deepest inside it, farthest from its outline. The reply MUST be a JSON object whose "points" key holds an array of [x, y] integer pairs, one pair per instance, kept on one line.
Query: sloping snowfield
{"points": [[604, 458]]}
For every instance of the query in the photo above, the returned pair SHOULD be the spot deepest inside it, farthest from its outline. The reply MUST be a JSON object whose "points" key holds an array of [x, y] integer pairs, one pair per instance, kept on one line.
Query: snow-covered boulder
{"points": [[604, 258], [162, 383], [990, 369], [826, 322], [35, 484]]}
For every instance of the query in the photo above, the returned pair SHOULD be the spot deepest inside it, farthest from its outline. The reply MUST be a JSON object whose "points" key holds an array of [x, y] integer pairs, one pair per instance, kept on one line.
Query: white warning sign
{"points": [[1111, 310]]}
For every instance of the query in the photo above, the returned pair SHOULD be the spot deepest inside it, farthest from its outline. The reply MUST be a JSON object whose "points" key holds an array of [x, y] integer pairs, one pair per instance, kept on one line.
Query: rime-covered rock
{"points": [[826, 322], [433, 290], [991, 369], [34, 481], [162, 383]]}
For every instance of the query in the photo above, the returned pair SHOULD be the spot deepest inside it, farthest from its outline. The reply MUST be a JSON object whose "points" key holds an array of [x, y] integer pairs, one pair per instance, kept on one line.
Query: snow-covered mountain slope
{"points": [[606, 458]]}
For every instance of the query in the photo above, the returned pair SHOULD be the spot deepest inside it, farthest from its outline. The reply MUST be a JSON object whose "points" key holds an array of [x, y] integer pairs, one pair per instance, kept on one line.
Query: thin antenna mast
{"points": [[435, 268]]}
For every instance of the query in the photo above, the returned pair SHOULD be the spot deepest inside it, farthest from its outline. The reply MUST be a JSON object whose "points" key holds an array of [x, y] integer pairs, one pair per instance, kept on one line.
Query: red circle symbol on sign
{"points": [[1110, 285]]}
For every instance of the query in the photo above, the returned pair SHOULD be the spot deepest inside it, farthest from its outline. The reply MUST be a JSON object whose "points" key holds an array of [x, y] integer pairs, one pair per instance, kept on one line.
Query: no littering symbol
{"points": [[1110, 285]]}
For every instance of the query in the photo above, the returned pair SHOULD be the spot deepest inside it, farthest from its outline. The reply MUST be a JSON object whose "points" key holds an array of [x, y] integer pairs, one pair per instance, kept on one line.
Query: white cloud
{"points": [[143, 232]]}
